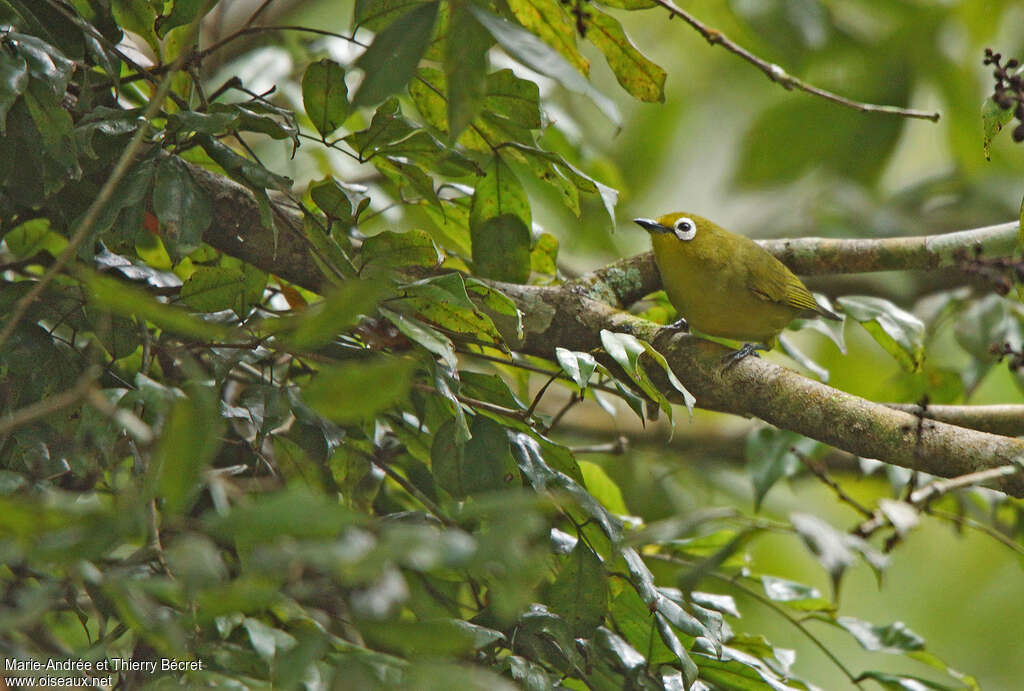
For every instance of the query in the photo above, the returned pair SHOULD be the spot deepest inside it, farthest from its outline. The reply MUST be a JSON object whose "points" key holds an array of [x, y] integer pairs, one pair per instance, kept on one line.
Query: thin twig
{"points": [[783, 78], [476, 403], [49, 406], [937, 488]]}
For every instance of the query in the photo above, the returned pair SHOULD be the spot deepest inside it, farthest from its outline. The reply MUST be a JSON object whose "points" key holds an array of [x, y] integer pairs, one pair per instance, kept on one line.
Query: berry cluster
{"points": [[1002, 350], [999, 272], [1009, 89]]}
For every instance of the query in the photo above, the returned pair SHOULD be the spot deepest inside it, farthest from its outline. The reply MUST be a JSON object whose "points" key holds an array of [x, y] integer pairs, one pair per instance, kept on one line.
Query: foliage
{"points": [[346, 481]]}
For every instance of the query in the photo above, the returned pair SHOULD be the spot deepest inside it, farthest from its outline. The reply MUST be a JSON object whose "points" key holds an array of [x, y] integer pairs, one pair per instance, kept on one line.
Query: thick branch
{"points": [[627, 280], [786, 399]]}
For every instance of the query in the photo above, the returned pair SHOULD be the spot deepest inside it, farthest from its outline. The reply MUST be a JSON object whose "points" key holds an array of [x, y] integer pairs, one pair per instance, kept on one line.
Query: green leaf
{"points": [[443, 301], [544, 255], [835, 550], [405, 174], [794, 594], [31, 237], [46, 64], [338, 200], [382, 253], [465, 65], [13, 81], [629, 4], [501, 249], [497, 194], [482, 464], [183, 207], [626, 350], [993, 119], [548, 20], [294, 513], [579, 366], [377, 14], [242, 169], [536, 54], [899, 332], [626, 656], [391, 60], [325, 95], [502, 309], [579, 593], [499, 223], [341, 307], [514, 98], [183, 12], [188, 442], [901, 682], [125, 300], [773, 455], [892, 638], [139, 17], [215, 288], [635, 73], [359, 390], [438, 637], [418, 332], [603, 488]]}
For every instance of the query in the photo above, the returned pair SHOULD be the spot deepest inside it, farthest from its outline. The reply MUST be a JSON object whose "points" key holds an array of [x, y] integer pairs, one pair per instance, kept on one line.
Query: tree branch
{"points": [[627, 280], [786, 80], [573, 314]]}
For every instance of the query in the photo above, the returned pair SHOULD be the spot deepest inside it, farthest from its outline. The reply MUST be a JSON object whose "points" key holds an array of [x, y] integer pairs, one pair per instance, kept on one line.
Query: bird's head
{"points": [[682, 225]]}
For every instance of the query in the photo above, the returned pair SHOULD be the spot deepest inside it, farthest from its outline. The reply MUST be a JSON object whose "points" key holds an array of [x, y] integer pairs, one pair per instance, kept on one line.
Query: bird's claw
{"points": [[680, 325], [747, 349]]}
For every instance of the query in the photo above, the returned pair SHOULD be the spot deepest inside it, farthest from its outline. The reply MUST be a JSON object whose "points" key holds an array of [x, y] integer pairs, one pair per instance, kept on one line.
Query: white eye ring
{"points": [[685, 229]]}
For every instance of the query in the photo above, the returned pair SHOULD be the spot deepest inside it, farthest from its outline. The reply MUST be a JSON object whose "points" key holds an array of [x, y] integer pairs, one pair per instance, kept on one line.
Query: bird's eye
{"points": [[685, 229]]}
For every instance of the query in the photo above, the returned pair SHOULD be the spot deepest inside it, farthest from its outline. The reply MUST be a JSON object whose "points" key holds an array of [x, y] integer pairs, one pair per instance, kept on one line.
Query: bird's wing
{"points": [[783, 287]]}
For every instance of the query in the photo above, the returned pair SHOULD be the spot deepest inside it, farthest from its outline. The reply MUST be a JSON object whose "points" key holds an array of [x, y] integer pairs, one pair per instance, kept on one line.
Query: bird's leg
{"points": [[680, 325], [747, 349]]}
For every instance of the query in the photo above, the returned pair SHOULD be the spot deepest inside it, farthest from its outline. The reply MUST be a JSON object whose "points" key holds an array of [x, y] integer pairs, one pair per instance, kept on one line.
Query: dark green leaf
{"points": [[125, 300], [13, 81], [501, 249], [465, 64], [391, 60], [325, 96], [183, 207], [188, 442], [377, 14], [338, 200], [341, 307], [580, 591], [482, 464], [359, 390]]}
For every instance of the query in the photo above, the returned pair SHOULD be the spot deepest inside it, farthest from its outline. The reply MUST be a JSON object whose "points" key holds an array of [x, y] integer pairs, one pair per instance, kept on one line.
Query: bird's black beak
{"points": [[650, 225]]}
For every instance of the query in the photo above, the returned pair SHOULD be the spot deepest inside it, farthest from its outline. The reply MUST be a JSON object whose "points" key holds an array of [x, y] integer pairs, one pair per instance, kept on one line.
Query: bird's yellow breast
{"points": [[708, 281]]}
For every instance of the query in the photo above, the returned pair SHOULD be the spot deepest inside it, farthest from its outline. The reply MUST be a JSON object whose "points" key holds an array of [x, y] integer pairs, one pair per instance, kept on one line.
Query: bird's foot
{"points": [[747, 349], [680, 325]]}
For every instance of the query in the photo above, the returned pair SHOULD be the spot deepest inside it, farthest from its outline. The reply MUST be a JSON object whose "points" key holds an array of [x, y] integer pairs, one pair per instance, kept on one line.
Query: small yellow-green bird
{"points": [[726, 285]]}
